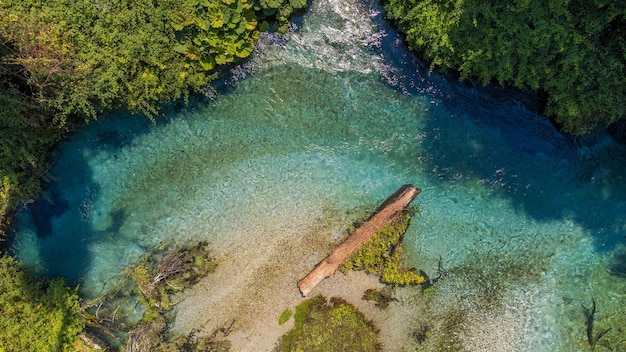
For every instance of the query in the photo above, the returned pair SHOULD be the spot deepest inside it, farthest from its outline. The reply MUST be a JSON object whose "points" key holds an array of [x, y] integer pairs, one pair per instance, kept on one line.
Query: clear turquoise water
{"points": [[527, 224]]}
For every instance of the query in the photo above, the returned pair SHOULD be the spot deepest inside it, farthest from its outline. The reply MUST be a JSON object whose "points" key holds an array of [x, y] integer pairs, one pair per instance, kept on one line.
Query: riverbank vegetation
{"points": [[571, 52], [37, 314]]}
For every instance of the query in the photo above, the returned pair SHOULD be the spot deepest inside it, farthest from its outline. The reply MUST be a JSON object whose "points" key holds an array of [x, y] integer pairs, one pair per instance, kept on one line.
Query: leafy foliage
{"points": [[572, 51], [25, 138], [81, 58], [382, 255], [330, 326], [36, 315], [218, 32]]}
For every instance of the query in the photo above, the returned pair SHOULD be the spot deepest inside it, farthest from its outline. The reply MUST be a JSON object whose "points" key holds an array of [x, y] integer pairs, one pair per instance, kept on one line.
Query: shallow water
{"points": [[524, 224]]}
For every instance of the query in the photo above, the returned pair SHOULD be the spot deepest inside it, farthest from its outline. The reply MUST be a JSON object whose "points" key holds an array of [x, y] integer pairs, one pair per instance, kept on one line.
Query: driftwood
{"points": [[384, 215]]}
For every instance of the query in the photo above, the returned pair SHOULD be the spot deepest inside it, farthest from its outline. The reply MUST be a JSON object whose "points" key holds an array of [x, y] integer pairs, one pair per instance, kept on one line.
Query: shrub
{"points": [[570, 51], [330, 326], [36, 314]]}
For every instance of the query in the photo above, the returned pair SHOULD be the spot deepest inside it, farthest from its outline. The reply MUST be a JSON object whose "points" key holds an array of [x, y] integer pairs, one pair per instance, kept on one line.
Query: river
{"points": [[525, 225]]}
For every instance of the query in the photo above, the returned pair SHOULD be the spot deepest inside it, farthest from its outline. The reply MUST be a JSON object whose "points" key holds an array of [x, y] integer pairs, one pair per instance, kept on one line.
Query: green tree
{"points": [[36, 315], [572, 51], [25, 138], [85, 57]]}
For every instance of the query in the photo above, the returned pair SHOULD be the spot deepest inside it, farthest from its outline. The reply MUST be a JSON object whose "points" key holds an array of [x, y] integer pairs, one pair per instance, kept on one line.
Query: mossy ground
{"points": [[334, 325], [285, 316]]}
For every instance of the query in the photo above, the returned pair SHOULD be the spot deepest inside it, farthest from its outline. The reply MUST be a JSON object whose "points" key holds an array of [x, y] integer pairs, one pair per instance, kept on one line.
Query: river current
{"points": [[524, 225]]}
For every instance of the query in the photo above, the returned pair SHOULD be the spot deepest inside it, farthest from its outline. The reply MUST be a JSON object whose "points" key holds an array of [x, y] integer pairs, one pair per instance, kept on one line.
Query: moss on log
{"points": [[384, 215]]}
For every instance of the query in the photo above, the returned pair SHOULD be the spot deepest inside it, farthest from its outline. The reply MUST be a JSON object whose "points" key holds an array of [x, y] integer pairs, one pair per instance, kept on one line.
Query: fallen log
{"points": [[384, 215]]}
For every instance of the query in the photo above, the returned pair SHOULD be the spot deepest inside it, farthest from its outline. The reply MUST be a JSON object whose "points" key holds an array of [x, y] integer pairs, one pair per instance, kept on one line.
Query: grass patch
{"points": [[330, 326], [284, 316]]}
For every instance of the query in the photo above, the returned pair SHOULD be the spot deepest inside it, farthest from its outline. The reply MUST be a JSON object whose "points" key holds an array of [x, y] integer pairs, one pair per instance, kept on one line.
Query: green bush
{"points": [[35, 314], [25, 139], [570, 51], [330, 326]]}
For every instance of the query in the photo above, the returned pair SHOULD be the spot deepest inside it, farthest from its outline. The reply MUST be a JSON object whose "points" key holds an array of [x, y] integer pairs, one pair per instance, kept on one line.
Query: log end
{"points": [[321, 271], [304, 288]]}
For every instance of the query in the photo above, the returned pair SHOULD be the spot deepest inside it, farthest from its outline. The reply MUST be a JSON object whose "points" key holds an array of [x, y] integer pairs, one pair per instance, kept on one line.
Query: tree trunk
{"points": [[384, 215]]}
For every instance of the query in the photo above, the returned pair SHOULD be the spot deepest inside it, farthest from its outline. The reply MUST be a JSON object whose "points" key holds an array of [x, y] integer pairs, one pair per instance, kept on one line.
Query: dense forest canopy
{"points": [[84, 57], [571, 51]]}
